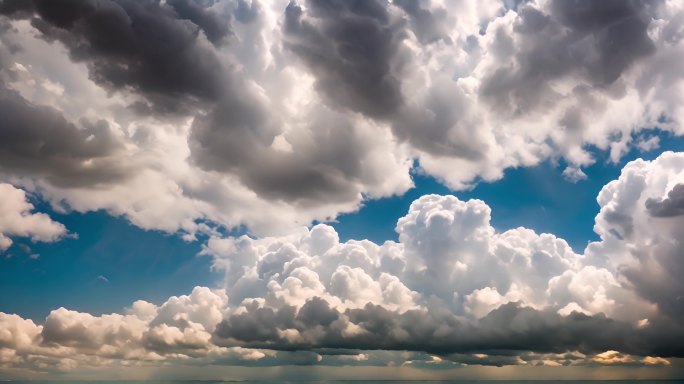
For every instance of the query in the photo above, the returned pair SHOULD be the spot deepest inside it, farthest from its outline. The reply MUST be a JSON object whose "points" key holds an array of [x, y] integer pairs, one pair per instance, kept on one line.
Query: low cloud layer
{"points": [[451, 291], [177, 113]]}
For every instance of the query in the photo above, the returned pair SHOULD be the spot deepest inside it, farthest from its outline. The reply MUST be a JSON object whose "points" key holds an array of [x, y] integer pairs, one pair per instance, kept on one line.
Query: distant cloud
{"points": [[646, 144], [102, 279], [574, 174]]}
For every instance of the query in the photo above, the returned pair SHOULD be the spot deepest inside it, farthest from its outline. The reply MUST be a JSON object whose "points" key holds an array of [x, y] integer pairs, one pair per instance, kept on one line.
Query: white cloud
{"points": [[641, 242], [16, 219], [574, 174], [448, 251]]}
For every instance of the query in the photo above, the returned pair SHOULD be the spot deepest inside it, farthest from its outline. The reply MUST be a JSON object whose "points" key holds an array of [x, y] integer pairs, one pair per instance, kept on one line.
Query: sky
{"points": [[341, 189]]}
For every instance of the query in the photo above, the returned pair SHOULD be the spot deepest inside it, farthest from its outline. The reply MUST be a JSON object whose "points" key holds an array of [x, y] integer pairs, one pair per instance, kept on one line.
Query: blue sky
{"points": [[235, 189], [539, 198], [151, 265]]}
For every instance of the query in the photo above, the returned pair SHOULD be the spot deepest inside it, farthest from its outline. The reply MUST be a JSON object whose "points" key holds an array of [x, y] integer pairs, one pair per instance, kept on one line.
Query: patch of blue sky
{"points": [[538, 198], [111, 264]]}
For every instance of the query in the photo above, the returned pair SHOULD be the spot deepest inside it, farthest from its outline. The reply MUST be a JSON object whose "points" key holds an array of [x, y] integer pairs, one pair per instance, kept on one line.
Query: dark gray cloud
{"points": [[509, 330], [349, 46], [139, 45], [39, 141], [237, 137], [214, 24], [596, 41], [671, 206], [481, 359], [246, 13], [76, 334], [258, 325], [429, 26], [658, 276], [16, 7], [619, 32]]}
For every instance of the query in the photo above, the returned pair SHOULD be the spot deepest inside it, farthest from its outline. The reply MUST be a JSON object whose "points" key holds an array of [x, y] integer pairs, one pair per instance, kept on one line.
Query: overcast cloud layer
{"points": [[187, 116]]}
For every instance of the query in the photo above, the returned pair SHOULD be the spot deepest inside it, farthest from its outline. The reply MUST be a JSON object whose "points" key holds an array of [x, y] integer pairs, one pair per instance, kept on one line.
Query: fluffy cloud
{"points": [[452, 287], [640, 229], [178, 113], [16, 219], [455, 277]]}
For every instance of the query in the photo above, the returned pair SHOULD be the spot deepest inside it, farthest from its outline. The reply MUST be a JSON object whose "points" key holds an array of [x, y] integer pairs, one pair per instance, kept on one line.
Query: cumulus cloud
{"points": [[640, 229], [349, 47], [16, 219], [135, 46], [39, 141], [456, 277], [670, 206], [204, 14], [148, 333], [574, 174]]}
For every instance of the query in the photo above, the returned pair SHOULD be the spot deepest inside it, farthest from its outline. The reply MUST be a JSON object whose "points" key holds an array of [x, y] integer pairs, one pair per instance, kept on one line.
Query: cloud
{"points": [[143, 45], [672, 205], [242, 141], [595, 42], [349, 48], [102, 279], [574, 174], [459, 278], [306, 109], [452, 291], [16, 219], [39, 141], [500, 338], [639, 228], [214, 24]]}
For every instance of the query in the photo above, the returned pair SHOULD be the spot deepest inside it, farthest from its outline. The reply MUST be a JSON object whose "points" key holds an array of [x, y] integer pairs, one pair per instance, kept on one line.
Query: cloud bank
{"points": [[452, 291], [181, 116]]}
